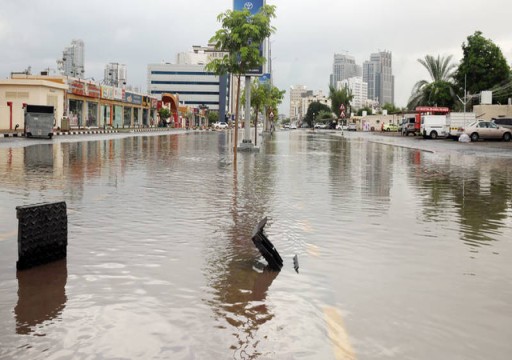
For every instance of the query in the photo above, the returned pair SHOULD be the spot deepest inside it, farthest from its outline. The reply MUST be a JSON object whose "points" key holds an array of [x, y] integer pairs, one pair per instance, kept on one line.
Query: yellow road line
{"points": [[341, 344]]}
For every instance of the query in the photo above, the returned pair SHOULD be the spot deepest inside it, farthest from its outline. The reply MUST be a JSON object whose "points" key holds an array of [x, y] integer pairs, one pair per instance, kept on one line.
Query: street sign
{"points": [[342, 107], [342, 114]]}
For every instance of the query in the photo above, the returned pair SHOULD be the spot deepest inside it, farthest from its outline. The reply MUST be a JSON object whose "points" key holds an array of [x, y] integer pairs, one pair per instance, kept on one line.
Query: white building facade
{"points": [[115, 74], [358, 88], [73, 59], [309, 98], [192, 83], [296, 94]]}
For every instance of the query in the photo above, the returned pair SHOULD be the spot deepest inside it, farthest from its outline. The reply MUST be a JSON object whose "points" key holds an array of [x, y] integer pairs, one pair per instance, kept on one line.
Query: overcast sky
{"points": [[137, 33]]}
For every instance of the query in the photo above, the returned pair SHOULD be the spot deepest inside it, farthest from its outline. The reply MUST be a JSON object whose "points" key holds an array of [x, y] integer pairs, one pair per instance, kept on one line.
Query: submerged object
{"points": [[266, 248]]}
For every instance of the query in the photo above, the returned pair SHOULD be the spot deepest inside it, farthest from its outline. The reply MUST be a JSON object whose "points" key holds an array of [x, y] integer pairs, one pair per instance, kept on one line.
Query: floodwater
{"points": [[403, 253]]}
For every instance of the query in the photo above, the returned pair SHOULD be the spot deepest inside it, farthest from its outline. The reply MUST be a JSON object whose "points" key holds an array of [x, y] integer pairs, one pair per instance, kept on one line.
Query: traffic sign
{"points": [[342, 114]]}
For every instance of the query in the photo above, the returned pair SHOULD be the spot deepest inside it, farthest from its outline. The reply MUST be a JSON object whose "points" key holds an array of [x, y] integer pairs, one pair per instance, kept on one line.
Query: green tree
{"points": [[366, 108], [343, 96], [483, 67], [213, 117], [440, 90], [264, 95], [392, 109], [313, 110], [164, 115], [239, 38]]}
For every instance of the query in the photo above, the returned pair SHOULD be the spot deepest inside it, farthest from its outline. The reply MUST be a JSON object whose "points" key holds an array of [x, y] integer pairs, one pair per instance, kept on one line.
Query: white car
{"points": [[487, 130], [220, 125]]}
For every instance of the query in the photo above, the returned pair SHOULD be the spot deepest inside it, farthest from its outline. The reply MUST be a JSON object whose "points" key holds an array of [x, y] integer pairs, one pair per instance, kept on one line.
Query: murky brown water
{"points": [[403, 254]]}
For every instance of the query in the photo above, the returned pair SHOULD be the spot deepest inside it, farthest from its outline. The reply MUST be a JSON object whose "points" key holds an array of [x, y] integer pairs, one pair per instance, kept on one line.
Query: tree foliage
{"points": [[313, 110], [164, 113], [391, 108], [213, 116], [343, 96], [366, 108], [239, 38], [483, 66], [264, 95], [439, 91]]}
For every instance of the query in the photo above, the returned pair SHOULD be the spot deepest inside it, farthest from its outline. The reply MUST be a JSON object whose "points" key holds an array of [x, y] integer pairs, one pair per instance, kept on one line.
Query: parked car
{"points": [[390, 127], [487, 130], [352, 127], [220, 125], [320, 126], [503, 121], [293, 126]]}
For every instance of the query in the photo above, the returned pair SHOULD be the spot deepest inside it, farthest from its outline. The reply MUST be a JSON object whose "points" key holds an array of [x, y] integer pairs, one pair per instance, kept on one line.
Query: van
{"points": [[408, 126], [434, 126], [503, 121]]}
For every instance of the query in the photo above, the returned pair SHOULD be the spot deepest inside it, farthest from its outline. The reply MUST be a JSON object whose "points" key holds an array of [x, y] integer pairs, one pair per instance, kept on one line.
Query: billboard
{"points": [[254, 7]]}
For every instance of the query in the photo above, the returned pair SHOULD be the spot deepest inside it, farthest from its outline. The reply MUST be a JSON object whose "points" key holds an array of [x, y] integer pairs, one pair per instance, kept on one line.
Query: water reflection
{"points": [[239, 278], [41, 296], [479, 190]]}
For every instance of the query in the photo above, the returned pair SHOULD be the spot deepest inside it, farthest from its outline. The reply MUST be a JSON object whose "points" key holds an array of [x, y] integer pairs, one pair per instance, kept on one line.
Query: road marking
{"points": [[341, 344]]}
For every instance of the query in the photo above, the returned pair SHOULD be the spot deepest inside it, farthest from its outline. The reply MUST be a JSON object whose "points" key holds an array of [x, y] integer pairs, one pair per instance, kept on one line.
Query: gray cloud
{"points": [[308, 34]]}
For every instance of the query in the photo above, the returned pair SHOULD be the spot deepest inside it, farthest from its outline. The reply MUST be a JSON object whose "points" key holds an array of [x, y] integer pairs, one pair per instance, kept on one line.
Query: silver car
{"points": [[487, 130]]}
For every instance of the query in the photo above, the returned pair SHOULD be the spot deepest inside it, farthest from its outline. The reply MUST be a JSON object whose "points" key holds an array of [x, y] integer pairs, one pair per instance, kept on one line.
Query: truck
{"points": [[434, 126], [39, 121], [458, 121], [427, 110], [408, 125]]}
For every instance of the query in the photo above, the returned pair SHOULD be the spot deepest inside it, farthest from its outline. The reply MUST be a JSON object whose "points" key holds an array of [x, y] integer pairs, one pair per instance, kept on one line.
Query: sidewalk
{"points": [[17, 133]]}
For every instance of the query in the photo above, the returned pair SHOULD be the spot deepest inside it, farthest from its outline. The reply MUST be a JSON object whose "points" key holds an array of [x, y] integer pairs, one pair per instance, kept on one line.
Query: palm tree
{"points": [[440, 90]]}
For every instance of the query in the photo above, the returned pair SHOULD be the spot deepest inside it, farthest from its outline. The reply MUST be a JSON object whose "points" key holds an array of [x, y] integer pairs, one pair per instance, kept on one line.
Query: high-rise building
{"points": [[115, 74], [344, 67], [378, 74], [296, 93], [72, 62]]}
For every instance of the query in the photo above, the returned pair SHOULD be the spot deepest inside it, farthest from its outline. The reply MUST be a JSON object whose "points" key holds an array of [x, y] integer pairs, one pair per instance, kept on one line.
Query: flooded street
{"points": [[403, 253]]}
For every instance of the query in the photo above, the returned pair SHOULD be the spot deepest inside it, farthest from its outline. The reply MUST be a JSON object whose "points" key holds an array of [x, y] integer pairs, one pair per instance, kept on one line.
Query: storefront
{"points": [[93, 106], [127, 116], [75, 112]]}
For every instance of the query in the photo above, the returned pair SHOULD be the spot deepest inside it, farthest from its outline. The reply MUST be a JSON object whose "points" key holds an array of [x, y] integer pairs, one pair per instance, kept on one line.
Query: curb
{"points": [[87, 132]]}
